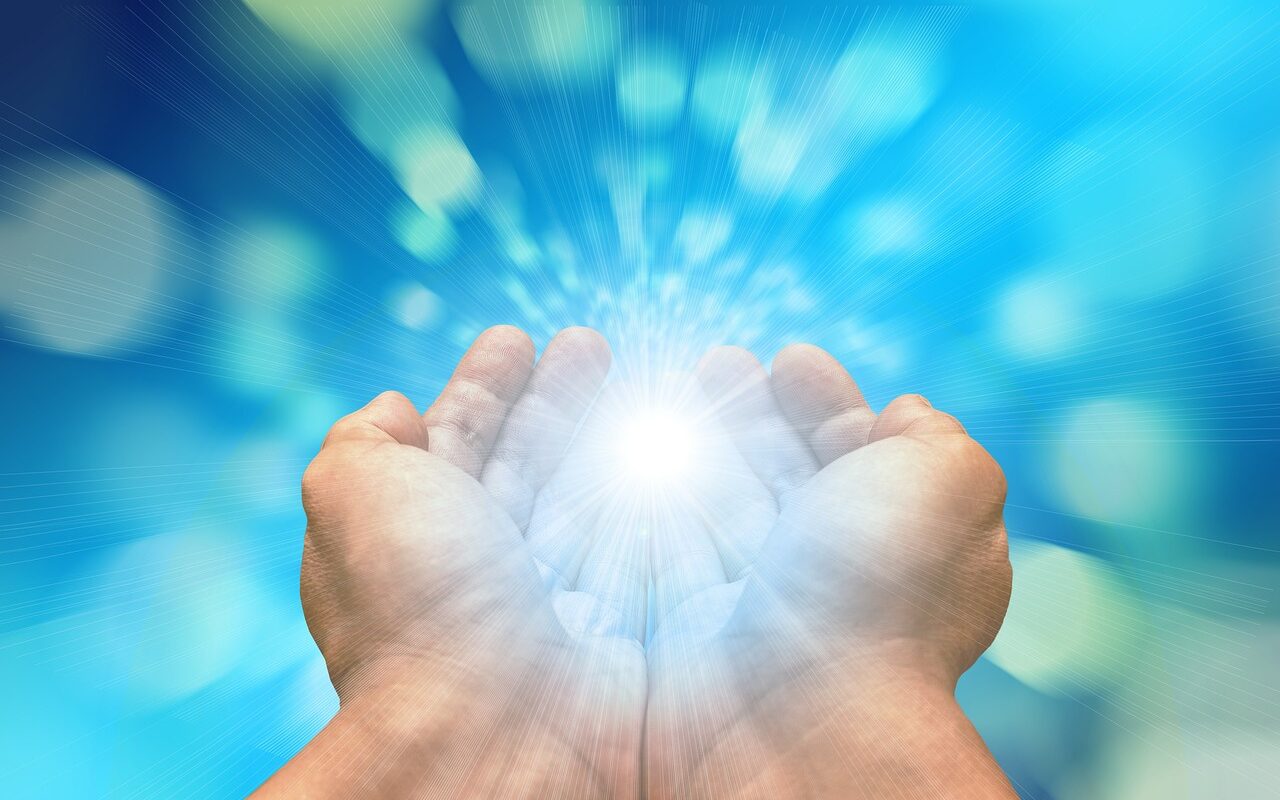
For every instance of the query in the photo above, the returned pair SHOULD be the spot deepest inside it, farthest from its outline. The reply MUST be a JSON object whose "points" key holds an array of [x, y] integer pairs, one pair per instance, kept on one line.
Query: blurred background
{"points": [[224, 224]]}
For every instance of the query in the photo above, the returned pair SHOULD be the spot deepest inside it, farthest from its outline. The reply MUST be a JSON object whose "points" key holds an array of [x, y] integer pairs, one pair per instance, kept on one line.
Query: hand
{"points": [[814, 595], [876, 573], [454, 672]]}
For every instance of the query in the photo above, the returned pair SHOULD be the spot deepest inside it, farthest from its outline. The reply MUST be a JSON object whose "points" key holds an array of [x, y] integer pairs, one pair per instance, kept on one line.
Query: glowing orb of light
{"points": [[437, 170], [657, 447], [86, 256]]}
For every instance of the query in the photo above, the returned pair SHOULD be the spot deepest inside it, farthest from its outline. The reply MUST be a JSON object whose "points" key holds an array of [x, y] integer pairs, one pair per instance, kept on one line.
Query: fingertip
{"points": [[393, 401], [802, 354], [814, 377], [907, 405], [915, 400], [728, 355], [540, 425], [500, 360], [507, 338], [396, 414], [585, 345], [727, 365], [821, 400], [465, 419], [503, 329], [584, 333]]}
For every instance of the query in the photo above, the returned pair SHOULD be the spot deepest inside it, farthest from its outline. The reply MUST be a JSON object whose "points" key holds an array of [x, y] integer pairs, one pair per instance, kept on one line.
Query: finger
{"points": [[821, 401], [389, 417], [562, 522], [582, 615], [539, 427], [684, 557], [616, 569], [465, 419], [606, 558], [734, 509], [743, 512], [560, 535], [739, 388], [911, 414]]}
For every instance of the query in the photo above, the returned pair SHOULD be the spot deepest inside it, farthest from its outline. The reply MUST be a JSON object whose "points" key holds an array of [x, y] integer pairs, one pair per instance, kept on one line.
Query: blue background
{"points": [[220, 229]]}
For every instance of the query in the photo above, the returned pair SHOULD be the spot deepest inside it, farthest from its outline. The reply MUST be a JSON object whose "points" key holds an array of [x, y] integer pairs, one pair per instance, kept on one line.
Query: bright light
{"points": [[657, 446]]}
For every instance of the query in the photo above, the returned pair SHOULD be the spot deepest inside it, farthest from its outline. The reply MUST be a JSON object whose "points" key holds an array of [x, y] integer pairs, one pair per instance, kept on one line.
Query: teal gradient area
{"points": [[225, 225]]}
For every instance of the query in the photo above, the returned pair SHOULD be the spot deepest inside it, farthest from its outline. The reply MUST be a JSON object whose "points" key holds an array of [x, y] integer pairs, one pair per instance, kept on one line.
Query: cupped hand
{"points": [[863, 567], [788, 618], [455, 674]]}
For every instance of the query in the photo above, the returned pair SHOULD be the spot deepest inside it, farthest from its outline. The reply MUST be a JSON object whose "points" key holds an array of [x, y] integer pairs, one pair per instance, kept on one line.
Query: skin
{"points": [[415, 533], [478, 580], [883, 575]]}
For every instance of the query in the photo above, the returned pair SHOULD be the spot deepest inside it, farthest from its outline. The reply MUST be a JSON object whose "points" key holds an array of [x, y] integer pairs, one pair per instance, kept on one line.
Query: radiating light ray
{"points": [[948, 193]]}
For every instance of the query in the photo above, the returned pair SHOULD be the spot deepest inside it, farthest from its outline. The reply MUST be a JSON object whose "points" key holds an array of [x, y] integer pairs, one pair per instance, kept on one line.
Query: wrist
{"points": [[774, 647], [907, 731], [889, 710], [379, 742], [403, 707], [401, 721]]}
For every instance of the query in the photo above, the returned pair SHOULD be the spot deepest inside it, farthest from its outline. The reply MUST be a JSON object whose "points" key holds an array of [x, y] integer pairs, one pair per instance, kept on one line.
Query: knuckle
{"points": [[985, 463], [339, 430], [999, 483], [479, 404], [317, 479], [993, 486]]}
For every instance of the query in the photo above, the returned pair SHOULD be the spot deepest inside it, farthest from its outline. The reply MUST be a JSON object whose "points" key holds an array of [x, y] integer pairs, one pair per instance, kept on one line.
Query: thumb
{"points": [[389, 417]]}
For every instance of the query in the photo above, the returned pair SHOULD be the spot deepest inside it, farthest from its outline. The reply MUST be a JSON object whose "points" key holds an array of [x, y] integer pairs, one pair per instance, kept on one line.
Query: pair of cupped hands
{"points": [[505, 612]]}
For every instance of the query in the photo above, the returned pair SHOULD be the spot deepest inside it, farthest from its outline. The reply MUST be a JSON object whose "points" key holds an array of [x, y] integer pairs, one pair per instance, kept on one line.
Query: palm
{"points": [[581, 629], [572, 727], [416, 572], [725, 602], [835, 527]]}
